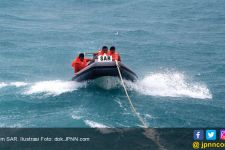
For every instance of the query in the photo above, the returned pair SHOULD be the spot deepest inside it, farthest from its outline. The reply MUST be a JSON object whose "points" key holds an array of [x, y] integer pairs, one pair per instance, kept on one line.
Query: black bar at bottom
{"points": [[96, 139]]}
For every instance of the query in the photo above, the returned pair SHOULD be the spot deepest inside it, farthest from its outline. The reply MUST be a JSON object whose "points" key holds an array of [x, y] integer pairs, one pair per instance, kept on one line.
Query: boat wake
{"points": [[56, 87], [12, 84], [170, 84], [48, 88], [163, 84], [2, 84]]}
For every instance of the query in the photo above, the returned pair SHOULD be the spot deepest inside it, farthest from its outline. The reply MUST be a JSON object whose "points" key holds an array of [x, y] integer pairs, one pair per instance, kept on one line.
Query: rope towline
{"points": [[128, 97]]}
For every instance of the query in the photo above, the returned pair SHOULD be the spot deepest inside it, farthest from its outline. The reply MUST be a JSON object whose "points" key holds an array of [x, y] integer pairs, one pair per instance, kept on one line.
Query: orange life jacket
{"points": [[115, 56], [78, 65], [102, 53]]}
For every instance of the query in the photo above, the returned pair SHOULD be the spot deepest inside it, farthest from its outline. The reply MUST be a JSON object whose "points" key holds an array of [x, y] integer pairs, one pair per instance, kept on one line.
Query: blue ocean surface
{"points": [[177, 48]]}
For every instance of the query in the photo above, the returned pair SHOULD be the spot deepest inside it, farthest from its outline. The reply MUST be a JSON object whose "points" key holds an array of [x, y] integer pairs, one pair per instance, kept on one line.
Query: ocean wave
{"points": [[78, 114], [54, 88], [13, 84], [117, 100], [93, 124], [164, 84], [18, 84], [76, 117], [2, 84], [170, 84], [100, 127]]}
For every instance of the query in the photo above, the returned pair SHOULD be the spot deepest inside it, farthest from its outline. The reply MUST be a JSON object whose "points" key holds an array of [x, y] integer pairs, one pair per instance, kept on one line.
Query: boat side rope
{"points": [[128, 97]]}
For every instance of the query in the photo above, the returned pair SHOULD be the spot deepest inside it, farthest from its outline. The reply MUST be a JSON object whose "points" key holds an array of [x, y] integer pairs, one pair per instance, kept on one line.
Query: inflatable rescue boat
{"points": [[100, 69]]}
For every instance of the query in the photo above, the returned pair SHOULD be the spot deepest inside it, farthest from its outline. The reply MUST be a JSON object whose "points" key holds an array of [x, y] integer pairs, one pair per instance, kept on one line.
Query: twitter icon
{"points": [[210, 135]]}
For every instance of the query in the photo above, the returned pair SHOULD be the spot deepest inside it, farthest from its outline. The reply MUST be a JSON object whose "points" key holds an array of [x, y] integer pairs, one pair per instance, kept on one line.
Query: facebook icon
{"points": [[198, 134]]}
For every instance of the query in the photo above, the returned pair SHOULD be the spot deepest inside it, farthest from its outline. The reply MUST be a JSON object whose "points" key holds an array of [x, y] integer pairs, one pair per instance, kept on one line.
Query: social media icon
{"points": [[198, 134], [222, 134], [210, 135]]}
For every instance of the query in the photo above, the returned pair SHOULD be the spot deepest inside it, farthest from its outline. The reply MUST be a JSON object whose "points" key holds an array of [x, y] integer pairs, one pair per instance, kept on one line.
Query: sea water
{"points": [[175, 47]]}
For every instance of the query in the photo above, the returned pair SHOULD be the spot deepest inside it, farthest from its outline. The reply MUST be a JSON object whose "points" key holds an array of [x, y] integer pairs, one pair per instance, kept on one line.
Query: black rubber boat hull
{"points": [[101, 69]]}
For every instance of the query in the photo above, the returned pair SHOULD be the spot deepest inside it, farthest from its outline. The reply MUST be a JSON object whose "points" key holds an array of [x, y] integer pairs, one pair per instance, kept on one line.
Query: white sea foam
{"points": [[93, 124], [170, 84], [18, 84], [148, 116], [76, 117], [13, 84], [55, 87], [119, 102], [78, 114], [165, 84], [2, 84], [100, 127]]}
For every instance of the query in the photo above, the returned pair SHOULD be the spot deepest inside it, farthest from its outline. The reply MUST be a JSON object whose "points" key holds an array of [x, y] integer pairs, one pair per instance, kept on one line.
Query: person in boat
{"points": [[103, 51], [110, 55], [114, 54], [80, 62]]}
